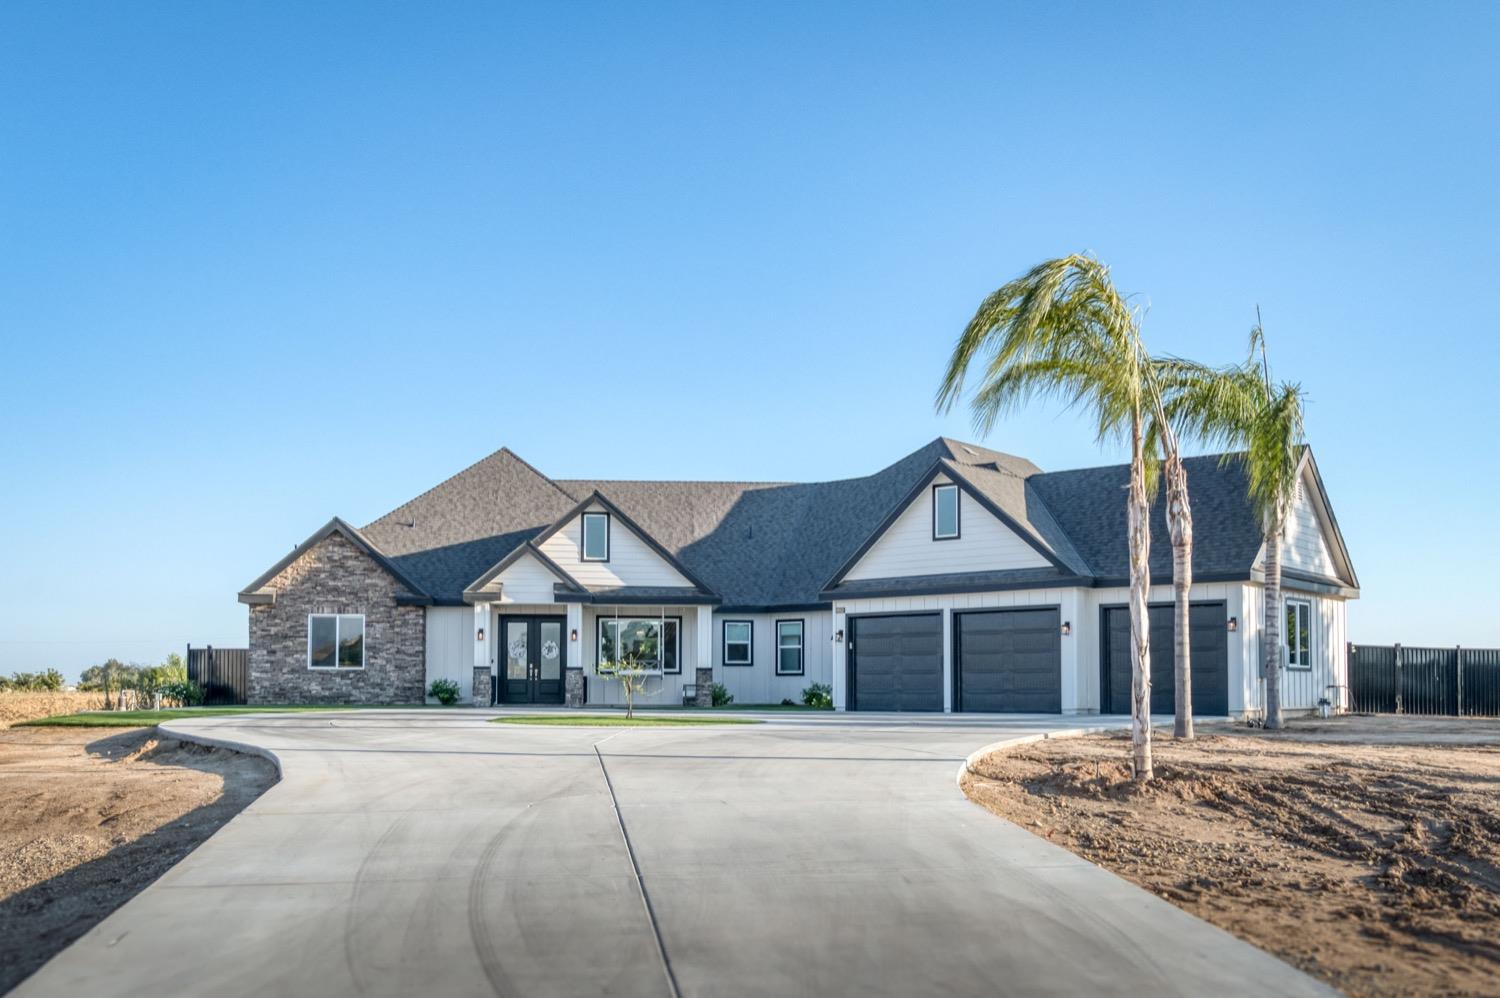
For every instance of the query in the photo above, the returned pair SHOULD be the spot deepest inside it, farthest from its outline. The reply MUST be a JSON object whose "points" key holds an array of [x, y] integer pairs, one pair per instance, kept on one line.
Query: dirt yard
{"points": [[17, 706], [90, 816], [1375, 867]]}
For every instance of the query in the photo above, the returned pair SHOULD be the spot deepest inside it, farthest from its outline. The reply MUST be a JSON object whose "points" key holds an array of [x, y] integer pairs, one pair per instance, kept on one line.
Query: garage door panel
{"points": [[896, 663], [1210, 655], [1009, 661]]}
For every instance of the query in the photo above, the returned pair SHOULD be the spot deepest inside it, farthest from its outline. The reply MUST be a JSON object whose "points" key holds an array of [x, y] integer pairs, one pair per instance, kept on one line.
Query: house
{"points": [[958, 578]]}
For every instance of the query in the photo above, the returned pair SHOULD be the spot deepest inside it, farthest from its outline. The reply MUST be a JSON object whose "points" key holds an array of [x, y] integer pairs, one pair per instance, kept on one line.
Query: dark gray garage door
{"points": [[1210, 647], [1009, 660], [896, 663]]}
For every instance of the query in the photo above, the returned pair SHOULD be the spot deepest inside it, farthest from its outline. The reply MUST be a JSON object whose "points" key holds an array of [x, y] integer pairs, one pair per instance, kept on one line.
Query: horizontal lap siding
{"points": [[631, 560]]}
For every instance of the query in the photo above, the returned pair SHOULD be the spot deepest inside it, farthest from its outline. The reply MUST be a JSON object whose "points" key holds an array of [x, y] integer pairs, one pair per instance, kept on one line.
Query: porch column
{"points": [[573, 672], [482, 691], [704, 673]]}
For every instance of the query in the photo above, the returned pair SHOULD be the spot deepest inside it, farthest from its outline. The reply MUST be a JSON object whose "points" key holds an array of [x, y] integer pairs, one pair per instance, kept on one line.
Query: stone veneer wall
{"points": [[336, 577]]}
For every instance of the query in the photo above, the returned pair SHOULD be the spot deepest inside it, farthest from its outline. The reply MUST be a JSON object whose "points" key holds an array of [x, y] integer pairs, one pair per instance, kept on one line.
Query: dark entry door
{"points": [[1009, 660], [531, 649], [896, 663], [1210, 652]]}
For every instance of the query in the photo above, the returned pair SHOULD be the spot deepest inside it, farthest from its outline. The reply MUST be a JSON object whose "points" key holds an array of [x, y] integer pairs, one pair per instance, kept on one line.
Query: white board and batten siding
{"points": [[1304, 541], [1300, 688], [631, 560], [907, 547], [450, 647], [758, 682]]}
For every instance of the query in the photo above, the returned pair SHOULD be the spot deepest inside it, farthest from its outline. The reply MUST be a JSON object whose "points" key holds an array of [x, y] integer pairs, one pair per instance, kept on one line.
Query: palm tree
{"points": [[1166, 378], [1244, 407], [1062, 330]]}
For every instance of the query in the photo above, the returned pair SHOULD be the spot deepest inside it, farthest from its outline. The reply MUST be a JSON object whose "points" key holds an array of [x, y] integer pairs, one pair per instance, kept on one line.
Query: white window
{"points": [[596, 537], [335, 641], [738, 639], [788, 647], [944, 512], [1298, 634], [641, 640]]}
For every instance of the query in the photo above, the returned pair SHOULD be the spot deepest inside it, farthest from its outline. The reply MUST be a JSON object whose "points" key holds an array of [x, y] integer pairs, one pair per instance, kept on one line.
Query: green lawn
{"points": [[619, 720], [146, 718]]}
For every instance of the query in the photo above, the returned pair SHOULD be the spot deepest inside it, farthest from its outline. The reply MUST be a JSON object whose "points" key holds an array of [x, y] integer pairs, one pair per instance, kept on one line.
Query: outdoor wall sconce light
{"points": [[1067, 628], [1234, 624], [480, 635], [838, 636], [573, 634]]}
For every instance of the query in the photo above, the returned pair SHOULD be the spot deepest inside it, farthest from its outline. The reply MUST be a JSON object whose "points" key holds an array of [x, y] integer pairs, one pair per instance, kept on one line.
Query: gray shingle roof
{"points": [[770, 544]]}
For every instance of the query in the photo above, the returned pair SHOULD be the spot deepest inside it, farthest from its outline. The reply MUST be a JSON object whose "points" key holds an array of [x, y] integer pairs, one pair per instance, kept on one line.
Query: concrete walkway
{"points": [[432, 853]]}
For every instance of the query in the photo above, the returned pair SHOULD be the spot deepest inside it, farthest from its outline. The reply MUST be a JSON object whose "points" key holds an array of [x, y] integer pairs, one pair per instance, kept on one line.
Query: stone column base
{"points": [[573, 688], [484, 691], [705, 681]]}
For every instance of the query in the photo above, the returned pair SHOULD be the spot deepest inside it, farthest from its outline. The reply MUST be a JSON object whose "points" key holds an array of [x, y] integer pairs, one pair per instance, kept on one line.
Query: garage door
{"points": [[1009, 660], [896, 663], [1210, 647]]}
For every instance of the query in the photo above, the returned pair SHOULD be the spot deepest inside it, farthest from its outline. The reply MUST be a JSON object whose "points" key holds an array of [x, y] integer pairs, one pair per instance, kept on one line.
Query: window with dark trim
{"points": [[595, 541], [789, 635], [641, 640], [1298, 634], [739, 642], [335, 641], [945, 525]]}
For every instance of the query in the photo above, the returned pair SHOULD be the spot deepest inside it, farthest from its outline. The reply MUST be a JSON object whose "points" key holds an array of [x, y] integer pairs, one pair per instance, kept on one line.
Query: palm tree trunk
{"points": [[1271, 631], [1140, 627], [1180, 525]]}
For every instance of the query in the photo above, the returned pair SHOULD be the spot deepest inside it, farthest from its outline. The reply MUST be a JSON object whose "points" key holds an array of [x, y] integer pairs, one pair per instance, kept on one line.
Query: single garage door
{"points": [[1210, 649], [896, 663], [1009, 661]]}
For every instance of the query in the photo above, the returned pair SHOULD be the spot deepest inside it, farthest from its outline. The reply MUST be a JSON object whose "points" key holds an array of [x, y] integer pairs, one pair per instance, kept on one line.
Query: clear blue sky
{"points": [[261, 264]]}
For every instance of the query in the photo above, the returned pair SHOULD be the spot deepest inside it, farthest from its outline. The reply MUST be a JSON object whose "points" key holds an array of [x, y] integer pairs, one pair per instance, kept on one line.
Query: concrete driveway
{"points": [[432, 853]]}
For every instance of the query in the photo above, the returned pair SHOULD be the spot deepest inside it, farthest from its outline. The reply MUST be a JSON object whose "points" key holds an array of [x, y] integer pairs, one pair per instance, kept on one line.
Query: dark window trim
{"points": [[1286, 637], [599, 637], [801, 623], [958, 505], [724, 644], [583, 522]]}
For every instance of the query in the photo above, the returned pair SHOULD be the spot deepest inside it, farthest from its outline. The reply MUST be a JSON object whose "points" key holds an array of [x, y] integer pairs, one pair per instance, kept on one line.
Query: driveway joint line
{"points": [[640, 883]]}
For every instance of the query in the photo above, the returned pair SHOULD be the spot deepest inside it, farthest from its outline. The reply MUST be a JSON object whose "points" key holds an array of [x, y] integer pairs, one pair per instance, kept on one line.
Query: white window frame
{"points": [[800, 644], [658, 621], [364, 643], [749, 644], [583, 536], [958, 527], [1303, 608]]}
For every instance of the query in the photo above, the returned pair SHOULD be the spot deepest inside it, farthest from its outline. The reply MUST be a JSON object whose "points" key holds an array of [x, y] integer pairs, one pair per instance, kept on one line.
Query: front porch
{"points": [[548, 652]]}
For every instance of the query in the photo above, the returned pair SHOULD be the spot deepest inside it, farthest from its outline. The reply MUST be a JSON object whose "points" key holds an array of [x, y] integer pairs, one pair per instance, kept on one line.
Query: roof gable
{"points": [[256, 592], [635, 559]]}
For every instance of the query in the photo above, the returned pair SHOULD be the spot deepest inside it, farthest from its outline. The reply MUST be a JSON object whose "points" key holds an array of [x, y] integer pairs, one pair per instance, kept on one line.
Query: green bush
{"points": [[182, 692], [444, 691], [722, 696], [33, 682], [818, 695]]}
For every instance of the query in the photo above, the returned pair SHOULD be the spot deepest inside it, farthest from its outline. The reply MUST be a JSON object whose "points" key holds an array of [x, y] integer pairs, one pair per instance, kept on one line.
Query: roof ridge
{"points": [[676, 481], [505, 451], [1126, 464]]}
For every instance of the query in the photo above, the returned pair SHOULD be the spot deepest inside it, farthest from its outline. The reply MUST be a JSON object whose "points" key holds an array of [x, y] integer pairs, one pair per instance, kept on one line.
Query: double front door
{"points": [[533, 649]]}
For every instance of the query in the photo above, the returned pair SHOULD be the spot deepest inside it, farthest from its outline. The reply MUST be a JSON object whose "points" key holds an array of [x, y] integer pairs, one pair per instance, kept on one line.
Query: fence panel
{"points": [[223, 673], [1425, 682]]}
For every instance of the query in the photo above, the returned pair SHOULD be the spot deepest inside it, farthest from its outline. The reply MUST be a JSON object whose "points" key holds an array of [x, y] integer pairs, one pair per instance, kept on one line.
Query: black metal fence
{"points": [[223, 673], [1432, 682]]}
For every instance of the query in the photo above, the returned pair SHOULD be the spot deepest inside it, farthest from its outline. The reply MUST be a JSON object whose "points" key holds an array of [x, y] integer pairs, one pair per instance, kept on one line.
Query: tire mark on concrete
{"points": [[356, 971]]}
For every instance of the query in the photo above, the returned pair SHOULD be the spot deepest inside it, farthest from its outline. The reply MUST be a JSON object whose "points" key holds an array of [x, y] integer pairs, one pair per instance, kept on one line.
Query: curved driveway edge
{"points": [[434, 853]]}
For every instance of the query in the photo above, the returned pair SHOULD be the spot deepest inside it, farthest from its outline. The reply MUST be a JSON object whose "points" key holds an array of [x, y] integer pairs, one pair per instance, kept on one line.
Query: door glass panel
{"points": [[515, 649], [551, 649]]}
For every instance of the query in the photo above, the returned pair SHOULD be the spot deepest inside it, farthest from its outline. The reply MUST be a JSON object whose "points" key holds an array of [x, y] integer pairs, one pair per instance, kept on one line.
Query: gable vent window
{"points": [[335, 641], [944, 512], [738, 642], [596, 537]]}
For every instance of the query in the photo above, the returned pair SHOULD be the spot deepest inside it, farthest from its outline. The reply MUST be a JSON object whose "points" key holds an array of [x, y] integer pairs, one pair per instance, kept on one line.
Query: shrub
{"points": [[818, 695], [722, 696], [183, 692], [444, 691]]}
